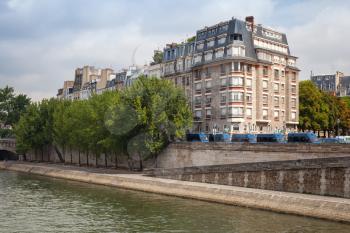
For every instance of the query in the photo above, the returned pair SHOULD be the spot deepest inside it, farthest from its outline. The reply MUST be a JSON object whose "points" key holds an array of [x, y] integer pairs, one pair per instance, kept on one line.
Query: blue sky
{"points": [[43, 41]]}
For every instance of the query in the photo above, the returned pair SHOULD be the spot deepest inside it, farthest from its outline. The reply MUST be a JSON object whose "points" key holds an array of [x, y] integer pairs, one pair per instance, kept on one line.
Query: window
{"points": [[265, 99], [293, 89], [223, 82], [197, 100], [294, 103], [236, 66], [276, 101], [208, 56], [265, 71], [198, 86], [249, 112], [223, 112], [237, 36], [187, 81], [236, 96], [248, 97], [236, 111], [282, 87], [222, 40], [198, 58], [208, 112], [249, 69], [236, 81], [264, 113], [198, 113], [210, 43], [282, 73], [276, 74], [276, 114], [237, 51], [265, 84], [294, 77], [200, 46], [208, 99], [276, 87], [294, 115], [208, 84], [248, 82], [223, 97], [219, 53], [282, 100]]}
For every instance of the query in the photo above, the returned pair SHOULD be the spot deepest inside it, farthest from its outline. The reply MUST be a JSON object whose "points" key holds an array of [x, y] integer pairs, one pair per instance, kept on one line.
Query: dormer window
{"points": [[237, 37]]}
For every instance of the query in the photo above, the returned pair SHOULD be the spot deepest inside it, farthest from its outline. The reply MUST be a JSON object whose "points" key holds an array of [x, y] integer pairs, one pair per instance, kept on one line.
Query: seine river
{"points": [[39, 204]]}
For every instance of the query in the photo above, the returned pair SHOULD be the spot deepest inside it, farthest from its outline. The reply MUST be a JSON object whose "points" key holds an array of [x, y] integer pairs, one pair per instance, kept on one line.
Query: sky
{"points": [[43, 41]]}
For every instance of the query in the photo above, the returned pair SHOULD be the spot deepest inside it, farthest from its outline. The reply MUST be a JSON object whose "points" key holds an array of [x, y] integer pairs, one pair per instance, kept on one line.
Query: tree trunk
{"points": [[71, 156], [59, 154], [96, 162], [42, 154], [79, 157], [24, 157], [87, 158], [106, 165], [141, 165], [116, 160]]}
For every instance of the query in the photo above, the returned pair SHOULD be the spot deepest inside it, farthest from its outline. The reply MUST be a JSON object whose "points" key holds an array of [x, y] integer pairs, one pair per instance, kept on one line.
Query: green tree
{"points": [[157, 57], [161, 111]]}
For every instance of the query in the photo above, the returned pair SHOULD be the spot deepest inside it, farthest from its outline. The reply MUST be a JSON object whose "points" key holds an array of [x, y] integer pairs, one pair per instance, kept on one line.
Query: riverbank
{"points": [[337, 209]]}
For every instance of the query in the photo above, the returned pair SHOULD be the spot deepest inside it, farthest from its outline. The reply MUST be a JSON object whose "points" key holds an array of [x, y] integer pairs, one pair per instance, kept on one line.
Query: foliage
{"points": [[321, 111], [157, 57], [141, 119], [191, 39], [11, 107]]}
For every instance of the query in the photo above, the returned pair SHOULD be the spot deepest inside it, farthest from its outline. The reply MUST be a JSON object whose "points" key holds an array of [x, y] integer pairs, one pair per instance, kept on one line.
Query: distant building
{"points": [[66, 91], [336, 84], [239, 77]]}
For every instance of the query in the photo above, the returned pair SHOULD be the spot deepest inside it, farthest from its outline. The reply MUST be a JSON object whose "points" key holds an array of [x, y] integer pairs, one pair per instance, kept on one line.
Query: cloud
{"points": [[42, 42]]}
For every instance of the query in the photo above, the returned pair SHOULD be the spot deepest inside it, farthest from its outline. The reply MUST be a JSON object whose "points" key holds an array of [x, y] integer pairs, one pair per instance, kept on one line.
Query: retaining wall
{"points": [[326, 176], [179, 155]]}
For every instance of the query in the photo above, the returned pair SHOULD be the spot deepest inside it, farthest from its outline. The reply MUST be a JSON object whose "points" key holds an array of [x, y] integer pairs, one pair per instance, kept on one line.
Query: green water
{"points": [[38, 204]]}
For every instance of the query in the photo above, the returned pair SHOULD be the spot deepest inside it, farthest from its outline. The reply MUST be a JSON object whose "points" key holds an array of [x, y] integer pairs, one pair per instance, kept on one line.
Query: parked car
{"points": [[269, 138], [219, 137], [251, 138], [197, 137], [344, 139], [331, 140], [302, 138]]}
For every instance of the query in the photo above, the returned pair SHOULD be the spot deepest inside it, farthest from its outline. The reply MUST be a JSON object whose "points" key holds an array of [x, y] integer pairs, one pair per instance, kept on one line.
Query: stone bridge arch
{"points": [[8, 149]]}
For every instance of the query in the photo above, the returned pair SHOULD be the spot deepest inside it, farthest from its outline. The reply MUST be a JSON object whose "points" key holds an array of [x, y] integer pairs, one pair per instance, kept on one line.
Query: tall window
{"points": [[276, 101], [236, 81], [223, 97], [248, 82], [265, 84], [265, 99], [276, 74], [223, 82], [198, 86], [236, 96], [265, 71], [276, 87]]}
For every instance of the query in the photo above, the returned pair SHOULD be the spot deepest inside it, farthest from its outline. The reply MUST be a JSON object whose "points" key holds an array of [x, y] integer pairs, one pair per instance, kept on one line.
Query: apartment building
{"points": [[336, 84], [241, 78]]}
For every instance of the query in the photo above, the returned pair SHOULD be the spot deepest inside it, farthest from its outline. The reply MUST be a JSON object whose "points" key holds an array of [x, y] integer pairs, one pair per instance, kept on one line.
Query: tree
{"points": [[161, 111], [11, 106], [157, 57]]}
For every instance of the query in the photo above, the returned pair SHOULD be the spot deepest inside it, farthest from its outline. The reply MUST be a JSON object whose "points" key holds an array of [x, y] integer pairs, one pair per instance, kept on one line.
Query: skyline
{"points": [[41, 43]]}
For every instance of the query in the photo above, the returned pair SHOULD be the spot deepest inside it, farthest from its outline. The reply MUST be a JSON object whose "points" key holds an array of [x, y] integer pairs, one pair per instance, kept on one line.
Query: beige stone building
{"points": [[240, 78]]}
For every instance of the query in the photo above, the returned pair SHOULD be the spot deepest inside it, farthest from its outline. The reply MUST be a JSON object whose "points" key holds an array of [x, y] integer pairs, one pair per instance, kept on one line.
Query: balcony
{"points": [[197, 119], [231, 115]]}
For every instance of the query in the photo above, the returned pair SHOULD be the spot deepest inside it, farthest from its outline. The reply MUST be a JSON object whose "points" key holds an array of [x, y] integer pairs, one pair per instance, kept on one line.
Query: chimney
{"points": [[250, 20]]}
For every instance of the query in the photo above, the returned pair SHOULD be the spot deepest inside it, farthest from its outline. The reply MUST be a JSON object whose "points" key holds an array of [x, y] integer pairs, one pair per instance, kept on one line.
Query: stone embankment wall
{"points": [[72, 157], [325, 176], [180, 155]]}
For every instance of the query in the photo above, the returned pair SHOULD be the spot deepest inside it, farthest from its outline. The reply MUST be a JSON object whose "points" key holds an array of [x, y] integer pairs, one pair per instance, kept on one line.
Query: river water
{"points": [[31, 203]]}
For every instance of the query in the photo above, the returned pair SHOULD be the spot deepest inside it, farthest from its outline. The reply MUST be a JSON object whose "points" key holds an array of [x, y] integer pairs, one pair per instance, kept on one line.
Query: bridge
{"points": [[8, 149]]}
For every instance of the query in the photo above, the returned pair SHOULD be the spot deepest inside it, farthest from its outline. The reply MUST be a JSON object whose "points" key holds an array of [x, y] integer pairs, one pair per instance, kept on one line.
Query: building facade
{"points": [[336, 84], [242, 78]]}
